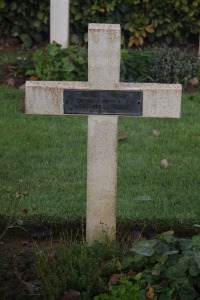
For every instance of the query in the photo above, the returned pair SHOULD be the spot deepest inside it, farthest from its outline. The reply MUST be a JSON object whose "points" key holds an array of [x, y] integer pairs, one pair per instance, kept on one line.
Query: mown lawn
{"points": [[46, 157]]}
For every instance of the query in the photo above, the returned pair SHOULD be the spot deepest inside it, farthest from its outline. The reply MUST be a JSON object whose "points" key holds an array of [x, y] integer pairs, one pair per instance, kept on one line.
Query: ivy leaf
{"points": [[187, 292], [196, 240], [145, 247], [186, 244], [194, 270], [197, 259]]}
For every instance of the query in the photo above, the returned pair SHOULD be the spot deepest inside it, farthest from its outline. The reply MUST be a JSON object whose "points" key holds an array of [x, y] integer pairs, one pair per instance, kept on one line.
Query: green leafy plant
{"points": [[170, 265], [172, 65], [127, 288], [26, 20], [135, 65], [167, 21], [55, 63], [77, 266], [160, 65]]}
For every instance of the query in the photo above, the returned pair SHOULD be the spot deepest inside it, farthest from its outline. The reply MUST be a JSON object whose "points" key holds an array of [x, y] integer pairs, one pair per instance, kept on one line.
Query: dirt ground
{"points": [[16, 272], [18, 279]]}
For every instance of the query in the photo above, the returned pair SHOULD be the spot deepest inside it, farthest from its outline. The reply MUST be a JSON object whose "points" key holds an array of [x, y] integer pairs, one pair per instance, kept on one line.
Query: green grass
{"points": [[46, 156]]}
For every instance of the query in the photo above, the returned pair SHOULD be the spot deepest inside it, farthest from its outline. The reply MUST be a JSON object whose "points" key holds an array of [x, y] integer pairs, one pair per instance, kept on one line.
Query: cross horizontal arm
{"points": [[159, 100]]}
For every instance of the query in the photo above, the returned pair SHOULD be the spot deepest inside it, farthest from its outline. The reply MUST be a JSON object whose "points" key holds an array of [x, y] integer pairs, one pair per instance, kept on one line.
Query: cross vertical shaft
{"points": [[103, 73]]}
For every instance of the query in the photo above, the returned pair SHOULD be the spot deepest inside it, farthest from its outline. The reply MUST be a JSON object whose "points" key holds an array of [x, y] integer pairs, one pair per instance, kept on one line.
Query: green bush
{"points": [[26, 20], [172, 65], [169, 21], [55, 63], [135, 65], [159, 65], [163, 268]]}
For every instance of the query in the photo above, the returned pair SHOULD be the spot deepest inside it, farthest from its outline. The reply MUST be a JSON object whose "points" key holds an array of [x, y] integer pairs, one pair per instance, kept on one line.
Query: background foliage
{"points": [[141, 20], [161, 65]]}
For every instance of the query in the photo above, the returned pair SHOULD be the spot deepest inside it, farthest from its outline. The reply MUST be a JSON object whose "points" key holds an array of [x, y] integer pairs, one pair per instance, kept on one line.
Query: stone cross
{"points": [[103, 98], [59, 22]]}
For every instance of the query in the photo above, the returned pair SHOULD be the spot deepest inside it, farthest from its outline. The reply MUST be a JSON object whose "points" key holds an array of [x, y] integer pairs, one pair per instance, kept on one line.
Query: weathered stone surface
{"points": [[59, 22]]}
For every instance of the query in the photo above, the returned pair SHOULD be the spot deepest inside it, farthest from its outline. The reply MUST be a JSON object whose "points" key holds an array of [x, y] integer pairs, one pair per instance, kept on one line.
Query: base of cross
{"points": [[156, 100]]}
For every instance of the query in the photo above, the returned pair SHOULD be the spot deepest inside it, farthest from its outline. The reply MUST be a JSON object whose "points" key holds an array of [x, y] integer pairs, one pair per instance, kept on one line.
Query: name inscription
{"points": [[103, 102]]}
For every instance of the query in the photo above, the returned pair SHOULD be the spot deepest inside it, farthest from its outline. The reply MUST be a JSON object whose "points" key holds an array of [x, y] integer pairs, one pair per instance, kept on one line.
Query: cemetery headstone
{"points": [[59, 22], [103, 98]]}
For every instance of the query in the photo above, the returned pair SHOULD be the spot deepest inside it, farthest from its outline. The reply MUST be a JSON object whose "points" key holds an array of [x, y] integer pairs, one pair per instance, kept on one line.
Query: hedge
{"points": [[141, 20]]}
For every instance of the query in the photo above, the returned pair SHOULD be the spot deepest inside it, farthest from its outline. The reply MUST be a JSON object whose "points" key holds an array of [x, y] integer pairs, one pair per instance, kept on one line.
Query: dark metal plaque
{"points": [[100, 102]]}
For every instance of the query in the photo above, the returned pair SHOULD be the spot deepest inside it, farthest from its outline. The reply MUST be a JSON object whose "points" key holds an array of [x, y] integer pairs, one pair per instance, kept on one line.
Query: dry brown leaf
{"points": [[155, 132], [164, 164], [114, 279], [194, 81], [150, 293], [51, 255], [71, 295], [33, 78], [11, 82], [21, 87]]}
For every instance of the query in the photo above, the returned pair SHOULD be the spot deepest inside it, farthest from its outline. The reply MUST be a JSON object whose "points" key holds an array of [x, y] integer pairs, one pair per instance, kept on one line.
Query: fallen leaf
{"points": [[24, 210], [114, 279], [21, 194], [21, 87], [19, 222], [71, 295], [131, 273], [33, 78], [33, 286], [194, 81], [51, 255], [34, 206], [26, 243], [150, 293], [11, 82], [155, 132], [164, 164], [8, 189], [12, 68]]}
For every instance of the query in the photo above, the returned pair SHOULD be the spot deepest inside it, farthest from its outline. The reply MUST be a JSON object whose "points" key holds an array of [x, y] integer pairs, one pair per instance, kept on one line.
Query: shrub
{"points": [[172, 65], [159, 65], [163, 268], [135, 65], [169, 21], [76, 266], [55, 63], [27, 20]]}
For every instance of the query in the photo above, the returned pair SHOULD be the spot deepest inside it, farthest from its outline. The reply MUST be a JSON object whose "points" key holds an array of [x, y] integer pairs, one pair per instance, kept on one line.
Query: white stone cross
{"points": [[59, 22], [159, 100]]}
